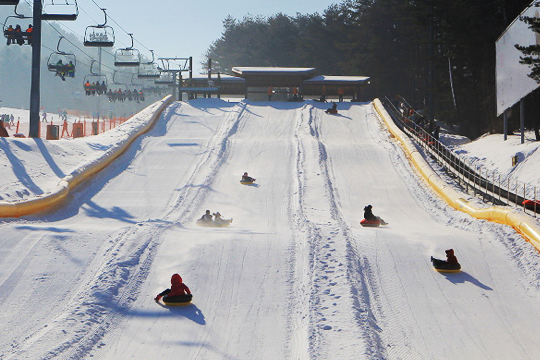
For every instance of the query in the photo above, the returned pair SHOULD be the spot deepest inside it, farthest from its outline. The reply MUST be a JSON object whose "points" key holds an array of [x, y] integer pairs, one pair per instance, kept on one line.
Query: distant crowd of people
{"points": [[5, 123], [8, 120], [93, 37], [416, 119], [95, 88], [100, 88], [130, 95], [15, 35]]}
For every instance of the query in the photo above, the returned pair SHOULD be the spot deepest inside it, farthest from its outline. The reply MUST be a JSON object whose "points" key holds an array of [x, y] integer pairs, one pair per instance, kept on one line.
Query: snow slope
{"points": [[294, 277], [494, 153]]}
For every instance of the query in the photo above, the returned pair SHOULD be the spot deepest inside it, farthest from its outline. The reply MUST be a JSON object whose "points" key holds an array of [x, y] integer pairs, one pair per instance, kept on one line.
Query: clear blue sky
{"points": [[176, 28]]}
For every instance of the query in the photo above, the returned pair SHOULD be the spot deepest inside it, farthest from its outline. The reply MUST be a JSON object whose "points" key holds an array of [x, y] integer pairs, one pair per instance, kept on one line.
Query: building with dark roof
{"points": [[257, 83]]}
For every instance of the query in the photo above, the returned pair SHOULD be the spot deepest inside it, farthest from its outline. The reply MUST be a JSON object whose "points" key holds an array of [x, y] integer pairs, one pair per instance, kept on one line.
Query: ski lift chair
{"points": [[127, 57], [62, 63], [148, 70], [95, 84], [99, 35], [60, 10], [165, 78], [16, 37]]}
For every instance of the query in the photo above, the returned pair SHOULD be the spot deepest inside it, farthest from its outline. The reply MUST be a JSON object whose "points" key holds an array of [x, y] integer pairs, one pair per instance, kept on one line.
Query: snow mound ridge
{"points": [[126, 134], [522, 223]]}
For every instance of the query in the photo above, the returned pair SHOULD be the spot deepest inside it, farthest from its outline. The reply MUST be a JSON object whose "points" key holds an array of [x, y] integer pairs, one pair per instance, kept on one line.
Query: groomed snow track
{"points": [[294, 277]]}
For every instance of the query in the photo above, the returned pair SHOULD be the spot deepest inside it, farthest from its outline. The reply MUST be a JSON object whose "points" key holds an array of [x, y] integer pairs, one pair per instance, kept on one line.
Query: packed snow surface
{"points": [[294, 277], [494, 153]]}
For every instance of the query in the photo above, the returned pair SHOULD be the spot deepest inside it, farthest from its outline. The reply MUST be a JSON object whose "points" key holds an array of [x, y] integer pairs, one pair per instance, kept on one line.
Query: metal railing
{"points": [[489, 184]]}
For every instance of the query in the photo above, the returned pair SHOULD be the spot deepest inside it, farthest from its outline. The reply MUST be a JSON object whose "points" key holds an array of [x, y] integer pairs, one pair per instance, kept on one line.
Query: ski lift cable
{"points": [[82, 51], [108, 16], [124, 30], [78, 48], [75, 34]]}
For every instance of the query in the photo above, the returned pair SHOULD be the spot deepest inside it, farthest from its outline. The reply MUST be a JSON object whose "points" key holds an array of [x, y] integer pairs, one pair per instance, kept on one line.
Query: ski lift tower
{"points": [[57, 12], [176, 66]]}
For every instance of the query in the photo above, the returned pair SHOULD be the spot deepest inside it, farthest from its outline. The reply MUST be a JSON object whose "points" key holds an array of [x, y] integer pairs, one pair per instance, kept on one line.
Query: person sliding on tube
{"points": [[218, 219], [451, 263], [368, 215], [177, 288], [450, 257], [333, 109], [207, 216], [246, 178]]}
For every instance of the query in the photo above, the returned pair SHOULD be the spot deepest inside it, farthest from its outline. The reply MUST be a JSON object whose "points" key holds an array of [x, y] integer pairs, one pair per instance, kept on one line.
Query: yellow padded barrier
{"points": [[54, 198], [521, 222]]}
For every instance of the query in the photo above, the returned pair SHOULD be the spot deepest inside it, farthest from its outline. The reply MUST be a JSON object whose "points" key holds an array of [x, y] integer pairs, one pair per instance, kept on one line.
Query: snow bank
{"points": [[30, 196], [521, 222]]}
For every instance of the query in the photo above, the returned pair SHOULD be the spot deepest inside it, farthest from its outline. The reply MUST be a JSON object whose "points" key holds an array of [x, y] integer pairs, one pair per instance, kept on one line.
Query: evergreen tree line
{"points": [[437, 54]]}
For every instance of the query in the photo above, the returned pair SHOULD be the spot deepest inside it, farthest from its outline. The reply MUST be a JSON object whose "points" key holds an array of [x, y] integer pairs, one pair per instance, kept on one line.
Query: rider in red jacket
{"points": [[177, 288]]}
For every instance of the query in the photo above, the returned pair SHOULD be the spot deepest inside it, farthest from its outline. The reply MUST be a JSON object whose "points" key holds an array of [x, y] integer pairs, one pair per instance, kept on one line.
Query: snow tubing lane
{"points": [[41, 203], [178, 300], [521, 222]]}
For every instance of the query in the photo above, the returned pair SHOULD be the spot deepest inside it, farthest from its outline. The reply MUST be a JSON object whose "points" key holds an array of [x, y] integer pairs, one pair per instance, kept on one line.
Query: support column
{"points": [[180, 93], [522, 119], [505, 124], [36, 72]]}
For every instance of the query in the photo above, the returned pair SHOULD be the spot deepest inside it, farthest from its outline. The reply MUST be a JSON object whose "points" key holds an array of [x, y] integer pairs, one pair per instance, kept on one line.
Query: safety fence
{"points": [[488, 184], [54, 130]]}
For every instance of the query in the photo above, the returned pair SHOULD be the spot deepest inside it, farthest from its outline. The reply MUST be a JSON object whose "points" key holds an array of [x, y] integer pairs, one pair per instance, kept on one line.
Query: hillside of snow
{"points": [[495, 154], [294, 277]]}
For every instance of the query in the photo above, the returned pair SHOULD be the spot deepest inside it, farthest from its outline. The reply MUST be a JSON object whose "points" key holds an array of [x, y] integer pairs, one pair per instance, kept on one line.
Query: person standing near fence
{"points": [[341, 92], [65, 129]]}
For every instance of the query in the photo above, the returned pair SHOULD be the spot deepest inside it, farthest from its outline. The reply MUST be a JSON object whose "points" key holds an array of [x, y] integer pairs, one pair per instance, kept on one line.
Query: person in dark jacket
{"points": [[368, 215], [19, 35], [29, 34], [436, 132], [10, 35], [3, 131], [450, 257], [177, 288], [207, 216], [247, 178]]}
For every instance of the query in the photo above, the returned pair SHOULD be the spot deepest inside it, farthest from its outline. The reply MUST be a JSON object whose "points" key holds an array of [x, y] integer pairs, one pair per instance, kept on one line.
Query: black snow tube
{"points": [[443, 266], [178, 300]]}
